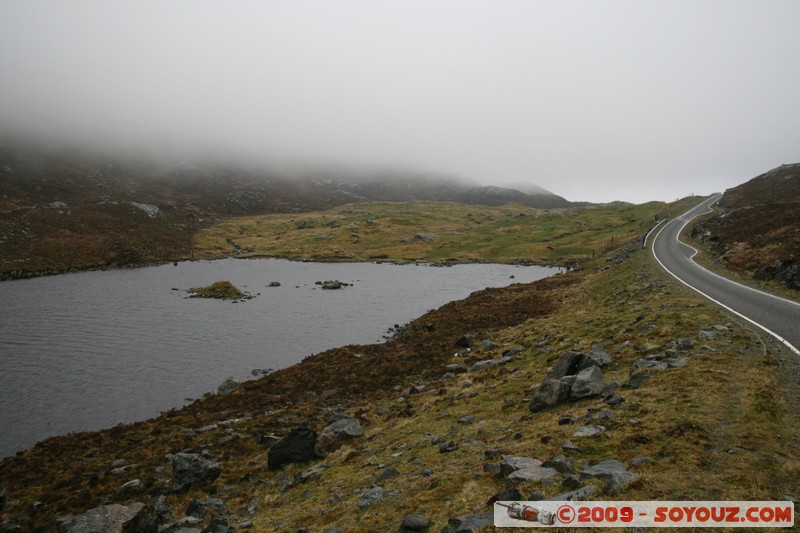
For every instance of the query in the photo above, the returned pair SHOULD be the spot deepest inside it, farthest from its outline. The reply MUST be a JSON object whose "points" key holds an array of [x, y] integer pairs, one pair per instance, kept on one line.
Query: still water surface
{"points": [[89, 350]]}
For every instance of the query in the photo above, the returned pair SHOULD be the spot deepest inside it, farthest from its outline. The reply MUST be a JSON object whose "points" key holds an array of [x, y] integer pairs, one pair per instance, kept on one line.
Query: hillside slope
{"points": [[757, 228], [434, 435], [64, 209]]}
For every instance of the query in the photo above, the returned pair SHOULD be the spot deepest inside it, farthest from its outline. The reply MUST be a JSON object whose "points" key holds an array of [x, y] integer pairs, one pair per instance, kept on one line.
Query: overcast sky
{"points": [[594, 100]]}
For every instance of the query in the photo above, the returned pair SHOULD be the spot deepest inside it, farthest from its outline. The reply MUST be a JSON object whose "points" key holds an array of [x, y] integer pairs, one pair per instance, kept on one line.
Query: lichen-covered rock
{"points": [[133, 518], [335, 434], [588, 382], [191, 468]]}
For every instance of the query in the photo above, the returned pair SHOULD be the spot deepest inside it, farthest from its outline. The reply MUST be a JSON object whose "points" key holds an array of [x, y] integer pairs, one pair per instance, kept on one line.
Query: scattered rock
{"points": [[589, 431], [343, 429], [457, 368], [675, 362], [191, 468], [371, 496], [114, 518], [131, 487], [465, 341], [639, 460], [568, 447], [589, 382], [653, 362], [483, 365], [332, 284], [228, 386], [705, 335], [274, 284], [492, 468], [579, 495], [567, 365], [561, 463], [511, 463], [467, 420], [388, 473], [571, 482], [448, 447], [637, 379], [565, 420], [615, 399], [469, 524], [551, 392], [296, 447], [197, 508], [162, 509], [597, 356], [415, 522], [218, 524], [308, 474], [506, 495], [537, 473], [613, 472]]}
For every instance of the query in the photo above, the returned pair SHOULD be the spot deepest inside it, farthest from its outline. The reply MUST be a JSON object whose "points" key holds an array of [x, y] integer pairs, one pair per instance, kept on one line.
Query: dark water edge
{"points": [[86, 351]]}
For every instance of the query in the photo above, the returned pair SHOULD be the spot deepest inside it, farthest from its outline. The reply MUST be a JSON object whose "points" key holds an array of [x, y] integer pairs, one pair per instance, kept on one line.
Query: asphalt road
{"points": [[777, 316]]}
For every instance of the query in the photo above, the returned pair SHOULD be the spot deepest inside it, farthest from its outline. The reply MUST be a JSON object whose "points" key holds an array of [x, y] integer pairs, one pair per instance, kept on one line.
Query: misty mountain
{"points": [[70, 209]]}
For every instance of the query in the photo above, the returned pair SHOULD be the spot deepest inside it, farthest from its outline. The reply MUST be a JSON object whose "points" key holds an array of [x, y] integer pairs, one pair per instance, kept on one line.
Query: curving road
{"points": [[777, 316]]}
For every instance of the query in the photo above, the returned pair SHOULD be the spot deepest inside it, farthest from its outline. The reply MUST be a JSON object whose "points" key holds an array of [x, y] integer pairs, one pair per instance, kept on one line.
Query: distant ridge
{"points": [[64, 209]]}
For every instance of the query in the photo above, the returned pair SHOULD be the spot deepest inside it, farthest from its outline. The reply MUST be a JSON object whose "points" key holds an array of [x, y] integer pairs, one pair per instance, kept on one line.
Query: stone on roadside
{"points": [[191, 468]]}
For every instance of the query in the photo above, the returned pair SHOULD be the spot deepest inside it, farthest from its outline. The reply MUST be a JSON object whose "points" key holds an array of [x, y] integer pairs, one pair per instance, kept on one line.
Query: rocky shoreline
{"points": [[598, 383]]}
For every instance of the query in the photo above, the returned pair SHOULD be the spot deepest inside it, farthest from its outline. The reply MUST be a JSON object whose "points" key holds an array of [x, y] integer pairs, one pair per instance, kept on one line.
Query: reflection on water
{"points": [[89, 350]]}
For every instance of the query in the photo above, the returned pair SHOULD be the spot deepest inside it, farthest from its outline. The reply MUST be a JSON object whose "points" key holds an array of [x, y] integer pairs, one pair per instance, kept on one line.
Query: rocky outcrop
{"points": [[340, 431], [191, 468], [133, 518], [574, 376], [613, 472], [297, 446]]}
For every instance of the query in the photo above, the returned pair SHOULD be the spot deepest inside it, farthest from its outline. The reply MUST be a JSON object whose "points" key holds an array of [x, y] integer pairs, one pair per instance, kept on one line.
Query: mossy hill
{"points": [[224, 290], [717, 418]]}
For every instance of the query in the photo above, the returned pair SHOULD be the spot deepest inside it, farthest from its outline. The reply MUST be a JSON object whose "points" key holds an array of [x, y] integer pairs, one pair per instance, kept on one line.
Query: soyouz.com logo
{"points": [[644, 514]]}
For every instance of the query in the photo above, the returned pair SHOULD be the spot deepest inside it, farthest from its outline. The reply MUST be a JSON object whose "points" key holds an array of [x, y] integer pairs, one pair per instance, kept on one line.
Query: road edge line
{"points": [[769, 331]]}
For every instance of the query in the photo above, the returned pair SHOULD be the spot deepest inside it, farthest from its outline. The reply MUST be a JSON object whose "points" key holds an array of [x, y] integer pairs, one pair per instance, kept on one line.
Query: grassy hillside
{"points": [[435, 232], [754, 233], [721, 425]]}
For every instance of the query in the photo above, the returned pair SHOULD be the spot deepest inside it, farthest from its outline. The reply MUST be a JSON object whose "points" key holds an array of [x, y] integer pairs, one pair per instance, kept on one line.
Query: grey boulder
{"points": [[191, 468]]}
